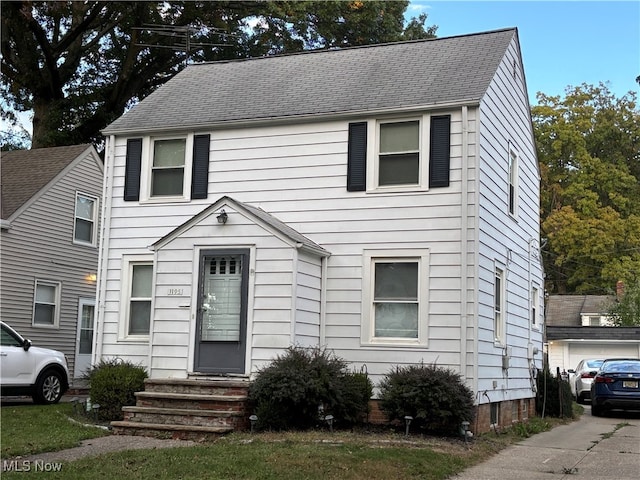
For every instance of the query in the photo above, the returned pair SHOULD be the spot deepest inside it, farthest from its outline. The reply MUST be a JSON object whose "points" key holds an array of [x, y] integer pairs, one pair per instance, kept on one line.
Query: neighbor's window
{"points": [[139, 315], [399, 153], [499, 314], [395, 298], [85, 226], [46, 305], [168, 168]]}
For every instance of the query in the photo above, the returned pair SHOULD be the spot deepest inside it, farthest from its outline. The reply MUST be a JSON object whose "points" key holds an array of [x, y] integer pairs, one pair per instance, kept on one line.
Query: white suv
{"points": [[27, 370]]}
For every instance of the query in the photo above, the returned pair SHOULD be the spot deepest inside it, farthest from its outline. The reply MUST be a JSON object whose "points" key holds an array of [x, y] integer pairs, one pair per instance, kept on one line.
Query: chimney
{"points": [[619, 289]]}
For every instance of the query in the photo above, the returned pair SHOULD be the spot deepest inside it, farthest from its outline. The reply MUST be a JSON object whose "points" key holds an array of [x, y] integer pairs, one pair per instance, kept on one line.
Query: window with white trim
{"points": [[395, 296], [499, 314], [46, 304], [85, 225], [399, 154], [137, 293], [535, 303], [513, 182], [398, 158], [168, 168]]}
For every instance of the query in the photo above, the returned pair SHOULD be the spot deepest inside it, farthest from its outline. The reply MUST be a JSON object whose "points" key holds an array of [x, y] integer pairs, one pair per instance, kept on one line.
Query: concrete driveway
{"points": [[592, 448]]}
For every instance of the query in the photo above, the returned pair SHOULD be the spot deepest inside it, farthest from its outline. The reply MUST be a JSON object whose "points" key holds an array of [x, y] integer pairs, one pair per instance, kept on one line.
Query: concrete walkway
{"points": [[592, 448]]}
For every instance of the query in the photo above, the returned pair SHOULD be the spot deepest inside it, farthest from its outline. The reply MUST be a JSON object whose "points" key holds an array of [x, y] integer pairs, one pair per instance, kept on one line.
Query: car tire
{"points": [[596, 410], [48, 387]]}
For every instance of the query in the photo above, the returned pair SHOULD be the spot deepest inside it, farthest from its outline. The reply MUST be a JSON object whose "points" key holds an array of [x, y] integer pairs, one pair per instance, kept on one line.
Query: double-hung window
{"points": [[137, 294], [499, 314], [513, 182], [399, 154], [168, 168], [46, 304], [395, 297], [85, 226]]}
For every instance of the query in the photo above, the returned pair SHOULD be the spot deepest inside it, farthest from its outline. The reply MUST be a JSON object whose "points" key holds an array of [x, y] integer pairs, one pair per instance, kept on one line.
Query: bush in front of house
{"points": [[113, 384], [303, 385], [435, 397], [554, 397]]}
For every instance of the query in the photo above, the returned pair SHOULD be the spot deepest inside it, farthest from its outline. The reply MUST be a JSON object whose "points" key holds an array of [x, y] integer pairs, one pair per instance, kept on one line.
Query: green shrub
{"points": [[112, 385], [554, 397], [303, 385], [435, 397]]}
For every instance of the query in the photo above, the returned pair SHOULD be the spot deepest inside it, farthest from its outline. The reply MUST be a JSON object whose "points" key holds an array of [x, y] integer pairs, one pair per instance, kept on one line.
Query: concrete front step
{"points": [[191, 401], [184, 416], [160, 430], [208, 386]]}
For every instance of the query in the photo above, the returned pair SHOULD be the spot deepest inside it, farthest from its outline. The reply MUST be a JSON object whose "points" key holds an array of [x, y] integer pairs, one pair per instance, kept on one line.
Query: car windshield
{"points": [[621, 366], [593, 363]]}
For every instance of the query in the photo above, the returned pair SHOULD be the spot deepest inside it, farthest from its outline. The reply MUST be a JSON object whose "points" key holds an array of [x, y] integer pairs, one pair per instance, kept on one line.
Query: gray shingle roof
{"points": [[25, 172], [566, 310], [374, 78]]}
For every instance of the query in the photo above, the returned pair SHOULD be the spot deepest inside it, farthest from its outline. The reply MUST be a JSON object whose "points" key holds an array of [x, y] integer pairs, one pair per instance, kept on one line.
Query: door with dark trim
{"points": [[221, 324]]}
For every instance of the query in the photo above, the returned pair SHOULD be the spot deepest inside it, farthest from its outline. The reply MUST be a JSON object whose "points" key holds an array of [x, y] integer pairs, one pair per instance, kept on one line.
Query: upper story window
{"points": [[167, 169], [46, 304], [85, 226], [399, 153], [404, 154], [513, 182]]}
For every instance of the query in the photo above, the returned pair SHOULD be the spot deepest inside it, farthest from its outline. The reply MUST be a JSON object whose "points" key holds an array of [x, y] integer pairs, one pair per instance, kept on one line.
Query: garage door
{"points": [[600, 350]]}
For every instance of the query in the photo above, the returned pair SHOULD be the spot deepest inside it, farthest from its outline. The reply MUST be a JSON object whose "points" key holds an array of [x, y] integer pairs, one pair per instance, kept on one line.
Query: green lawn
{"points": [[321, 455]]}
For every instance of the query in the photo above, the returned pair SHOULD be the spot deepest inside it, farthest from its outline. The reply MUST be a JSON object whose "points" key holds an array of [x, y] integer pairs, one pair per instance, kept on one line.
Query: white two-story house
{"points": [[381, 201]]}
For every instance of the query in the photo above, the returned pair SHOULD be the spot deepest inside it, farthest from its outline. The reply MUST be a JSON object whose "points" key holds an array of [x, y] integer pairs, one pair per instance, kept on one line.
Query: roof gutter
{"points": [[284, 120]]}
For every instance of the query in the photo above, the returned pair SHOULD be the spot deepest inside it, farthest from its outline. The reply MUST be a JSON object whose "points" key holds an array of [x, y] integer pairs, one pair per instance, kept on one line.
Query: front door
{"points": [[221, 325], [86, 313]]}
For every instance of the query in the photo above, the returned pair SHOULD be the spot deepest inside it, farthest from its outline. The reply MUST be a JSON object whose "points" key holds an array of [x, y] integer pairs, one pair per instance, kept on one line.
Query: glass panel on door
{"points": [[221, 302]]}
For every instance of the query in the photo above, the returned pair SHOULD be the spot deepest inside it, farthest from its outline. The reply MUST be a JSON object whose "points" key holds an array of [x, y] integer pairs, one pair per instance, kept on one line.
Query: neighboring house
{"points": [[49, 247], [578, 327], [381, 201]]}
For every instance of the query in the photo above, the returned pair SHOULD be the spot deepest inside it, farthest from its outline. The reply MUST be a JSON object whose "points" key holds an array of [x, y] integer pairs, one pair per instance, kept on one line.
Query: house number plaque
{"points": [[175, 291]]}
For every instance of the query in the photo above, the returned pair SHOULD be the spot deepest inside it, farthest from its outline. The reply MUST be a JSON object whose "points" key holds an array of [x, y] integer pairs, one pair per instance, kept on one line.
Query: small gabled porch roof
{"points": [[267, 221]]}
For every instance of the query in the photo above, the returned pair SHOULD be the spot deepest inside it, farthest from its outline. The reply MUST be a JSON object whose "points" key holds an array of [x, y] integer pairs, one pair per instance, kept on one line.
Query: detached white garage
{"points": [[577, 327]]}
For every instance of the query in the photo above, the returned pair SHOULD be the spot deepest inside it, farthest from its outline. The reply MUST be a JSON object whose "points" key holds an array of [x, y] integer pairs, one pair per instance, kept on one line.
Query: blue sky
{"points": [[563, 43]]}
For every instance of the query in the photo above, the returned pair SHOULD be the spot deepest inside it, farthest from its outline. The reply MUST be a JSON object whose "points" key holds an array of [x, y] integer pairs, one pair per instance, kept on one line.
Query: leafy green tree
{"points": [[589, 152], [626, 311], [80, 65]]}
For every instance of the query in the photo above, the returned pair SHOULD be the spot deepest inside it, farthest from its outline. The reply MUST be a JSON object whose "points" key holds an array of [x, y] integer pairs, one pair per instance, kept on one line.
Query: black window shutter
{"points": [[357, 157], [200, 172], [132, 170], [440, 145]]}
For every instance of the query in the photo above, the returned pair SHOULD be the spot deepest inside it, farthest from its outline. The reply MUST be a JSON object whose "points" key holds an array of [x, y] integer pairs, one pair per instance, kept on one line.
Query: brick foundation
{"points": [[508, 413]]}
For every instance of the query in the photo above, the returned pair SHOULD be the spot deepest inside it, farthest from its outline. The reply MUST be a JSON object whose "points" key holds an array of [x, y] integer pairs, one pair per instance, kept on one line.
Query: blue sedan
{"points": [[616, 386]]}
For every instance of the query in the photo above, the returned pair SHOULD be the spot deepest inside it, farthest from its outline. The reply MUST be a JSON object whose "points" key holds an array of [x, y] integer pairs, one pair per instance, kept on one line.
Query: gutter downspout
{"points": [[103, 255], [323, 300], [464, 228]]}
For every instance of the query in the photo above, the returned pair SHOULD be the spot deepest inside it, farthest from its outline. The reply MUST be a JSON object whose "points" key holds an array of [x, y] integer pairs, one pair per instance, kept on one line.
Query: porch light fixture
{"points": [[222, 218]]}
